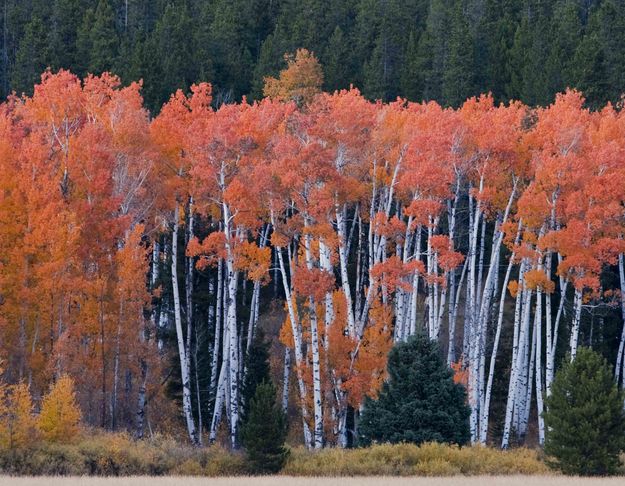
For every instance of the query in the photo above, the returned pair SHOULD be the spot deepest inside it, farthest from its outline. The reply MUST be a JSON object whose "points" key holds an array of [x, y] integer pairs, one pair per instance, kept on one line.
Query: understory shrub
{"points": [[120, 455], [429, 459]]}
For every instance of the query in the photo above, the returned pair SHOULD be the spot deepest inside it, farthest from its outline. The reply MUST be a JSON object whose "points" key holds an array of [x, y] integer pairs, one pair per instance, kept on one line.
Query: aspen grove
{"points": [[139, 253]]}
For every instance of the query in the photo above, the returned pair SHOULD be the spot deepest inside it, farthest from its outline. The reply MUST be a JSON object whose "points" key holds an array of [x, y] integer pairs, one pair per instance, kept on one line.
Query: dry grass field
{"points": [[299, 481]]}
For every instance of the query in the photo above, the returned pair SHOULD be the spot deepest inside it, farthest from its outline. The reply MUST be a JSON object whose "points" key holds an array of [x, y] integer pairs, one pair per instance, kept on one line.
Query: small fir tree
{"points": [[420, 402], [585, 419], [60, 416], [256, 370], [264, 431]]}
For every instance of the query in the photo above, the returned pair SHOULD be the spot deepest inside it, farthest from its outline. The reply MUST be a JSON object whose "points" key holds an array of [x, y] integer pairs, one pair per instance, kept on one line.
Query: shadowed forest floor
{"points": [[298, 481]]}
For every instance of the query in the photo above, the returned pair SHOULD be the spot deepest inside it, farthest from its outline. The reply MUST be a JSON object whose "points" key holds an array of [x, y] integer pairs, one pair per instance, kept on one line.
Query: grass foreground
{"points": [[120, 455], [312, 481]]}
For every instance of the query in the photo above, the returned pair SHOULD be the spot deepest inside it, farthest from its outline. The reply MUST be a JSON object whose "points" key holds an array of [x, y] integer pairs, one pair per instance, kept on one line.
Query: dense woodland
{"points": [[440, 50], [142, 256], [156, 246]]}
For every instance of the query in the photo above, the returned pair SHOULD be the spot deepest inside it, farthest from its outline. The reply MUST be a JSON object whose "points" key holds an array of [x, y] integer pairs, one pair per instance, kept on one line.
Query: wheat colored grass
{"points": [[299, 481]]}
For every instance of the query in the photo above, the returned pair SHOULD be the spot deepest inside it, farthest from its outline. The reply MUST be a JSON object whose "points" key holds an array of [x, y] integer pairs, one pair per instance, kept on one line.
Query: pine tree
{"points": [[420, 402], [66, 18], [411, 81], [433, 50], [609, 22], [168, 59], [337, 67], [31, 58], [588, 70], [104, 39], [256, 370], [84, 43], [493, 39], [264, 431], [585, 419], [566, 30], [458, 77]]}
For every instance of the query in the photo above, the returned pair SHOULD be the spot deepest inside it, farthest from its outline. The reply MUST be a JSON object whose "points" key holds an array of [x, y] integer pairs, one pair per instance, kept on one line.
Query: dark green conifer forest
{"points": [[442, 50]]}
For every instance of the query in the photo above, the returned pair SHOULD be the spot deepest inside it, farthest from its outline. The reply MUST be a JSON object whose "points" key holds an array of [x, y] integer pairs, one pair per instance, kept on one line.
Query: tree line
{"points": [[439, 50], [139, 255]]}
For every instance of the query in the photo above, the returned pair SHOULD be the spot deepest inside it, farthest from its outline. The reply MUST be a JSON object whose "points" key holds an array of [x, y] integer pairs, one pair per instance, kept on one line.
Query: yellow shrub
{"points": [[408, 459], [17, 426], [60, 416], [189, 467]]}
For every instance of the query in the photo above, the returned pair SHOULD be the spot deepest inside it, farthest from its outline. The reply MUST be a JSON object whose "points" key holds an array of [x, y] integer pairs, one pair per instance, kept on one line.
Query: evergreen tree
{"points": [[167, 57], [493, 40], [337, 67], [264, 431], [420, 402], [566, 34], [458, 77], [66, 18], [104, 39], [256, 370], [411, 80], [384, 24], [585, 419], [433, 47], [31, 58], [610, 25], [84, 43], [532, 61], [588, 70]]}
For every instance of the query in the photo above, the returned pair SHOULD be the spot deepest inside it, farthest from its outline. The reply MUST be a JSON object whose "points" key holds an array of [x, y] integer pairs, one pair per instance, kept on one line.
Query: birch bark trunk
{"points": [[182, 349]]}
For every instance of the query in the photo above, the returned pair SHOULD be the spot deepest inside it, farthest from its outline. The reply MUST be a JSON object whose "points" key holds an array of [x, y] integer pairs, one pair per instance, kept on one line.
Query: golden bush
{"points": [[59, 418]]}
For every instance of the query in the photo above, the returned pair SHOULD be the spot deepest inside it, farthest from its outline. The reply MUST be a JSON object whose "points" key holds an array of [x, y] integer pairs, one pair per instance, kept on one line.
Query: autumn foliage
{"points": [[374, 221], [60, 416]]}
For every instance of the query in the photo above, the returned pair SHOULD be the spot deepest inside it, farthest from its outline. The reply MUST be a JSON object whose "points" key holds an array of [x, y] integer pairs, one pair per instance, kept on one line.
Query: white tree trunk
{"points": [[297, 346], [514, 367], [341, 230], [539, 370], [575, 325], [493, 358], [285, 379], [316, 363], [218, 319], [183, 352], [618, 372]]}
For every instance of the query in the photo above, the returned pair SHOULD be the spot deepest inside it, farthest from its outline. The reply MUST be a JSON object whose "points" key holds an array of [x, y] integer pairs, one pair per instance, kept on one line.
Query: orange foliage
{"points": [[299, 82]]}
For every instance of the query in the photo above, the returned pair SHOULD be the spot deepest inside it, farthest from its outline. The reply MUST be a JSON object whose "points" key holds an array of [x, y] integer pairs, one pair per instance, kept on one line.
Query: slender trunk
{"points": [[539, 369], [218, 319], [575, 325], [621, 346], [550, 365], [182, 350], [316, 364], [140, 425], [451, 352], [493, 358], [116, 368], [297, 345], [514, 366], [340, 222], [220, 398], [198, 396], [285, 379]]}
